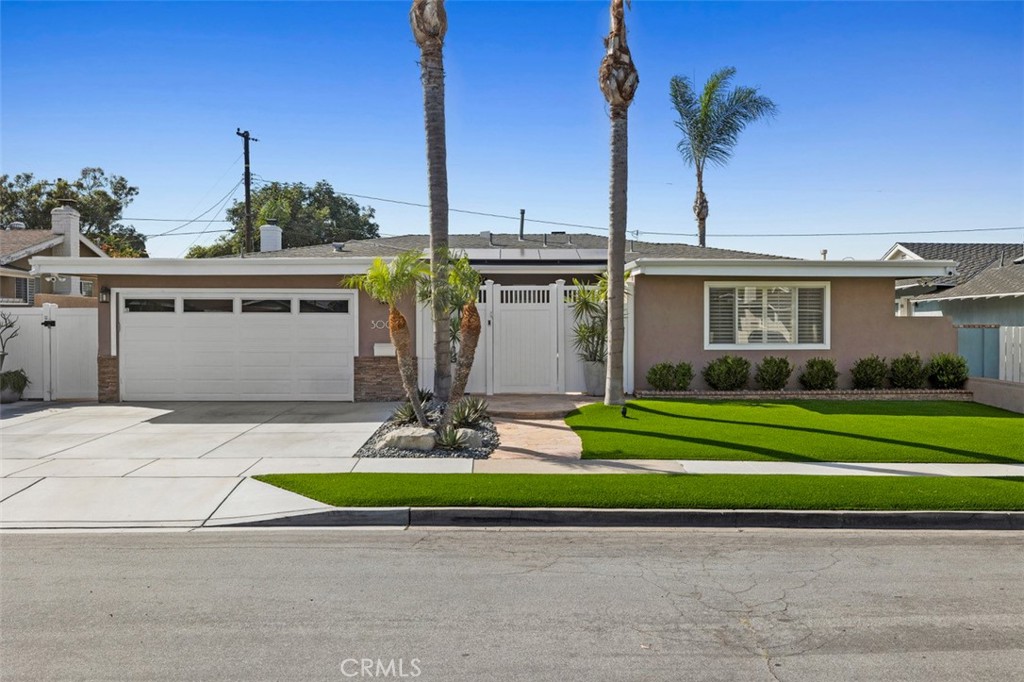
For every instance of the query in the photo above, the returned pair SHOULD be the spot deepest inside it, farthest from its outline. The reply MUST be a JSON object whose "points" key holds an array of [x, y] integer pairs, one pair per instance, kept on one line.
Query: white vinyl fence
{"points": [[1011, 354], [57, 348]]}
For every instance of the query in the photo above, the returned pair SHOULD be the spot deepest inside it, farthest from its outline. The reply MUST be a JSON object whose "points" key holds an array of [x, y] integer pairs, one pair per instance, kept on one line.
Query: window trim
{"points": [[826, 285]]}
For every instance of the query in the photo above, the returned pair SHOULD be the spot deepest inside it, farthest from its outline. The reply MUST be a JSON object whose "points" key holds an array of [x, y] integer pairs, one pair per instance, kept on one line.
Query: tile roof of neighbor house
{"points": [[994, 282], [568, 245], [971, 258], [15, 242]]}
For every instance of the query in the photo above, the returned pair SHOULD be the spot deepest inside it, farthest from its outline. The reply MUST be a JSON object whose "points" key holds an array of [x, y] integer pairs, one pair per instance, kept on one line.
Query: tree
{"points": [[618, 80], [429, 25], [101, 200], [389, 283], [306, 215], [711, 124], [464, 286]]}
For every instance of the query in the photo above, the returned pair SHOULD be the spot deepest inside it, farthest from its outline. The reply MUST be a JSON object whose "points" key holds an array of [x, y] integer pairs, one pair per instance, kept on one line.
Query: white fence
{"points": [[1011, 354], [59, 357]]}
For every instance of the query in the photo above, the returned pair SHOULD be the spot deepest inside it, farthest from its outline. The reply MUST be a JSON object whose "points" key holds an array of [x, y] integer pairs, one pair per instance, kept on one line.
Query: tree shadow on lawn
{"points": [[743, 447], [1001, 459]]}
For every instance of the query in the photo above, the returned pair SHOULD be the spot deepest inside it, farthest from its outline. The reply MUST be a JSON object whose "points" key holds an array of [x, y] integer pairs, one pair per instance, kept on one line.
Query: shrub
{"points": [[869, 372], [819, 374], [947, 370], [665, 376], [906, 371], [468, 412], [404, 414], [727, 373], [772, 373], [449, 438], [15, 380]]}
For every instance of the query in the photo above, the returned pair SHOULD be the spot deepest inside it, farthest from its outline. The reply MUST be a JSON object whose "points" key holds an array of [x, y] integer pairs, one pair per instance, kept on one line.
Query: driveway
{"points": [[170, 464]]}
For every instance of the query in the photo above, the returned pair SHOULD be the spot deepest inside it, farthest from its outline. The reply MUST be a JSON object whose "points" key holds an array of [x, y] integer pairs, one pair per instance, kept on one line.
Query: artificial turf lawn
{"points": [[656, 491], [801, 430]]}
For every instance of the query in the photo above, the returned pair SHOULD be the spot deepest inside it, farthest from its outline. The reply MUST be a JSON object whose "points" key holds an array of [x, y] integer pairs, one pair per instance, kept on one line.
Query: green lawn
{"points": [[802, 430], [656, 491]]}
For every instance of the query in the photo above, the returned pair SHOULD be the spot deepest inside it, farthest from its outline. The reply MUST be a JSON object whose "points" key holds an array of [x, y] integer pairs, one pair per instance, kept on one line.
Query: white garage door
{"points": [[237, 346]]}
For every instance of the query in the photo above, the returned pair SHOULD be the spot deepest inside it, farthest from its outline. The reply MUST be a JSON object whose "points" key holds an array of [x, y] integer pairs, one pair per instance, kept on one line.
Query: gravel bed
{"points": [[488, 434]]}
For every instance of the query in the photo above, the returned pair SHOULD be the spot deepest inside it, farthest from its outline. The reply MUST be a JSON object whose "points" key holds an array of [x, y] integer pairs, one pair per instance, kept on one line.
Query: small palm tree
{"points": [[464, 283], [389, 283], [618, 79], [711, 123]]}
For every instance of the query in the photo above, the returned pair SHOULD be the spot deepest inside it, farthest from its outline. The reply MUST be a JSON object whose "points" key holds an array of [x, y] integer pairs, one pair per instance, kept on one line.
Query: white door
{"points": [[237, 346], [526, 339]]}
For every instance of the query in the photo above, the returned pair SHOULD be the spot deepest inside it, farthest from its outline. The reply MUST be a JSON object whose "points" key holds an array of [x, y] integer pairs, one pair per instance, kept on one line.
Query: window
{"points": [[149, 305], [21, 288], [266, 305], [323, 306], [209, 305], [766, 314]]}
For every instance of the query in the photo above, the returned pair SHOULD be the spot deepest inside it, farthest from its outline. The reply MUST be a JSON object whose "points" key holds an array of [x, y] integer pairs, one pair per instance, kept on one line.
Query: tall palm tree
{"points": [[429, 25], [389, 283], [618, 80], [464, 283], [711, 123]]}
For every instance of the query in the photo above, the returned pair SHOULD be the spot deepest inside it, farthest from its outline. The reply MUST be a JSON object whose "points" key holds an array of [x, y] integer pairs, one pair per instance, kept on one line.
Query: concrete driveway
{"points": [[170, 464]]}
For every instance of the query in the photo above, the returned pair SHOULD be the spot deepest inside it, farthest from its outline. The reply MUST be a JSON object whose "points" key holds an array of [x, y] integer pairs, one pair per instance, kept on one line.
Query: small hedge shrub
{"points": [[907, 372], [947, 370], [665, 376], [772, 373], [869, 373], [727, 373], [819, 374]]}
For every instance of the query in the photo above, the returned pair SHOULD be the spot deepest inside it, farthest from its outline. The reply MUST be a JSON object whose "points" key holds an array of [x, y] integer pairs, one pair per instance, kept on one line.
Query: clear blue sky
{"points": [[902, 116]]}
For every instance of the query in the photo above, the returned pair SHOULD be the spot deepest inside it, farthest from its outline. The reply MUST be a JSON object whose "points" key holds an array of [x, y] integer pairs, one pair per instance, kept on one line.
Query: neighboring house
{"points": [[921, 296], [277, 325], [18, 287]]}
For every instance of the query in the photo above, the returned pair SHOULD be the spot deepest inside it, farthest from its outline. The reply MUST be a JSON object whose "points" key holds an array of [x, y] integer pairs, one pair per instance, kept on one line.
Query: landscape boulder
{"points": [[472, 438], [409, 438]]}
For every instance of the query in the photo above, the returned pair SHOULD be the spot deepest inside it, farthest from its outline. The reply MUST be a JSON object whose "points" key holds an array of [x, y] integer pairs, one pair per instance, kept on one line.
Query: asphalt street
{"points": [[339, 604]]}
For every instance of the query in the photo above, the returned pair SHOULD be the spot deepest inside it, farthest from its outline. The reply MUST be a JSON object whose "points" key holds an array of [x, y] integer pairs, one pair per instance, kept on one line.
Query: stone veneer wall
{"points": [[109, 384], [377, 379]]}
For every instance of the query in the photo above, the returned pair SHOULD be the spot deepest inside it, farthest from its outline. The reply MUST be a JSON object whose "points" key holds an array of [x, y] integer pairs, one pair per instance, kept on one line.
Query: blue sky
{"points": [[904, 116]]}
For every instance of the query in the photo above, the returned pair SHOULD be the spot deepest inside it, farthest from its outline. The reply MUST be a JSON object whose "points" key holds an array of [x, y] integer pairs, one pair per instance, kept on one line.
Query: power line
{"points": [[841, 234], [200, 216], [165, 220], [207, 228]]}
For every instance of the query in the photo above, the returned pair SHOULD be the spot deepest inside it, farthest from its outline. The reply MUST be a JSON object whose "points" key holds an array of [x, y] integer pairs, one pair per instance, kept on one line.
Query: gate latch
{"points": [[49, 323]]}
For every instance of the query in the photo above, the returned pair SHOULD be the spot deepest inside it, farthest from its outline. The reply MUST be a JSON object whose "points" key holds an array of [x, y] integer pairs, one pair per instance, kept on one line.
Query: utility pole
{"points": [[246, 139]]}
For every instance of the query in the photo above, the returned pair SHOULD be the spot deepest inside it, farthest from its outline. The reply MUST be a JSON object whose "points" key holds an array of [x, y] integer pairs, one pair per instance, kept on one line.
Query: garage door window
{"points": [[149, 305], [209, 305], [266, 305], [323, 306]]}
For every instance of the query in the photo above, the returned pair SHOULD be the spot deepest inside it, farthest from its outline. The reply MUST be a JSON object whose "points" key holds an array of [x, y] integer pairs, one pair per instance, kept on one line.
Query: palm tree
{"points": [[618, 80], [389, 283], [711, 123], [464, 283], [429, 25]]}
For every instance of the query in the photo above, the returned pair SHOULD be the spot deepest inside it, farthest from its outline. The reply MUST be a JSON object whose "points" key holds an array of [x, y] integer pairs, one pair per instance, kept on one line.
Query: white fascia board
{"points": [[198, 267], [1013, 294], [553, 268], [87, 243], [35, 248], [751, 267], [899, 249]]}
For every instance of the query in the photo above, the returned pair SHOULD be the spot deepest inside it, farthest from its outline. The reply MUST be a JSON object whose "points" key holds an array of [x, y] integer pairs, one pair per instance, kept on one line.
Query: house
{"points": [[18, 287], [278, 325]]}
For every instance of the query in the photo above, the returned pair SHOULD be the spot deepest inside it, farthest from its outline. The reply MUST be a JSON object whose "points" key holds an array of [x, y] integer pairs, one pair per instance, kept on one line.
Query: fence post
{"points": [[493, 292], [49, 322], [561, 347]]}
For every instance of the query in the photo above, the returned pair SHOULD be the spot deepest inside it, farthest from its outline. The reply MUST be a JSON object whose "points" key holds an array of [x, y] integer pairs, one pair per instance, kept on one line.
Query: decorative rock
{"points": [[473, 439], [409, 438]]}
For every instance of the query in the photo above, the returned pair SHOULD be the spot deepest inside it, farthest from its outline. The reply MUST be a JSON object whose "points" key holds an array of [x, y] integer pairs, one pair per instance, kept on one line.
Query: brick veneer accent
{"points": [[377, 378], [109, 384]]}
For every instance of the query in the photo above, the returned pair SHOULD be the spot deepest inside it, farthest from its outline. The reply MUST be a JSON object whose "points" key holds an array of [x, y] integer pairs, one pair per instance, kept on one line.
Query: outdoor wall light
{"points": [[105, 295]]}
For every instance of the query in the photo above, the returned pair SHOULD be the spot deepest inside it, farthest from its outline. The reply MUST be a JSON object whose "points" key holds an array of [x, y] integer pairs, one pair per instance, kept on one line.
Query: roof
{"points": [[17, 244], [995, 282], [971, 258], [558, 247]]}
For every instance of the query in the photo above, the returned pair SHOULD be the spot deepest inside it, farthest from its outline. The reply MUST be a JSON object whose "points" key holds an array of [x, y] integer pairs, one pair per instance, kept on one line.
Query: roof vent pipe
{"points": [[270, 236], [522, 220], [545, 239]]}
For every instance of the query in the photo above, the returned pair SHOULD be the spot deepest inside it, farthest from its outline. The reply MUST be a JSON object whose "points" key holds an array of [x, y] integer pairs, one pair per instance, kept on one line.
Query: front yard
{"points": [[805, 430]]}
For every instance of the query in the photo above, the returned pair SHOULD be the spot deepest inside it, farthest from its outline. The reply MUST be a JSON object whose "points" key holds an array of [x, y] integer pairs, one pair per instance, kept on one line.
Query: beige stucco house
{"points": [[278, 325]]}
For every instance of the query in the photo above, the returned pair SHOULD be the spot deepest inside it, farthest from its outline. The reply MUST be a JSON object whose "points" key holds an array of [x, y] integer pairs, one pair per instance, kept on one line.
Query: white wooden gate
{"points": [[57, 348], [1011, 353], [525, 344]]}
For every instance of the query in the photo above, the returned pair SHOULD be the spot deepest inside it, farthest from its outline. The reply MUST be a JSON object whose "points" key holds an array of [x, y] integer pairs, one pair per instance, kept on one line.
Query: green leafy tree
{"points": [[101, 200], [711, 122], [306, 215]]}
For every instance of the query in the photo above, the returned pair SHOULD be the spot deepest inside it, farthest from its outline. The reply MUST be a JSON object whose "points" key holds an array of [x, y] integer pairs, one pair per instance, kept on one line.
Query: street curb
{"points": [[655, 518]]}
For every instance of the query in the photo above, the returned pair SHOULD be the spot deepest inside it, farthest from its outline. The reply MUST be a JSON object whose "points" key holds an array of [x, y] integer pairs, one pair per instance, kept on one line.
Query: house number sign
{"points": [[378, 324]]}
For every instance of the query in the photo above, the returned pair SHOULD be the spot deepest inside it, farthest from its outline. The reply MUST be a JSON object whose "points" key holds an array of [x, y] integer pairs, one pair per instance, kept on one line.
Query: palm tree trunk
{"points": [[470, 333], [613, 392], [398, 328], [432, 73], [700, 208]]}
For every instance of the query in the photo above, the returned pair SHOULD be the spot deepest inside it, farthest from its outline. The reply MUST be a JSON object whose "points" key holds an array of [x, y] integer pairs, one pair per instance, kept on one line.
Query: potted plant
{"points": [[8, 330], [13, 383], [590, 332]]}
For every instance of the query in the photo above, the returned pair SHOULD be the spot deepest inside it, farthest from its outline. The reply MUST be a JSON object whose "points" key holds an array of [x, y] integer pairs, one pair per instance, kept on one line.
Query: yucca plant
{"points": [[449, 438], [468, 412]]}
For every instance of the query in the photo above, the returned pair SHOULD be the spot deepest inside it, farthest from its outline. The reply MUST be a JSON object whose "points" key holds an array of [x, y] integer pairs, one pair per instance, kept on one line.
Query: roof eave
{"points": [[199, 267], [29, 250], [749, 267]]}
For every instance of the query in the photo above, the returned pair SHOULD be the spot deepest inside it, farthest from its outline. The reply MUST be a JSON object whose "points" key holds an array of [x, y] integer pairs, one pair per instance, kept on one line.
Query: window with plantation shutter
{"points": [[766, 315]]}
